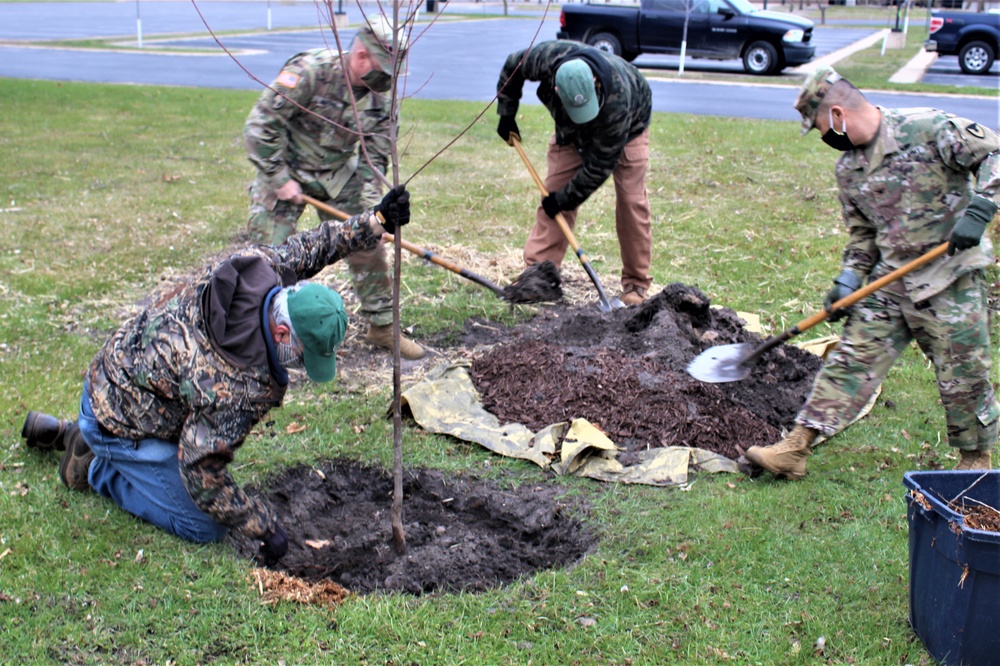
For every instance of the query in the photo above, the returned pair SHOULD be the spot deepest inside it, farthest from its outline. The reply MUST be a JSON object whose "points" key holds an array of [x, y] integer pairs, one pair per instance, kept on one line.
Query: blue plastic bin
{"points": [[954, 571]]}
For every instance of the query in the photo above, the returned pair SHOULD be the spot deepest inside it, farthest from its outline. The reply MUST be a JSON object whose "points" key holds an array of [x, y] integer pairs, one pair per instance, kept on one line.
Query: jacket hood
{"points": [[231, 306]]}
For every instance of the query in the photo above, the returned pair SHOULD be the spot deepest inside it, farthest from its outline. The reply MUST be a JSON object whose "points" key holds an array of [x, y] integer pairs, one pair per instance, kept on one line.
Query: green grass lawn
{"points": [[106, 190]]}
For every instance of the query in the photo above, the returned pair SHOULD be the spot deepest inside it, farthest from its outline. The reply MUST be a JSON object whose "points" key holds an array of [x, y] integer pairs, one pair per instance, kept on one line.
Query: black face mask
{"points": [[377, 80], [838, 140]]}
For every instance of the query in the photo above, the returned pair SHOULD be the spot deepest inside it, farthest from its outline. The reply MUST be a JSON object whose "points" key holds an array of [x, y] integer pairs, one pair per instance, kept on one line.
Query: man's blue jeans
{"points": [[143, 478]]}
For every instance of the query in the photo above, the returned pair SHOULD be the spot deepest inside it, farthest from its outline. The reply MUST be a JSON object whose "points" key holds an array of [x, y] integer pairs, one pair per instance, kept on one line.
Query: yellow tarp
{"points": [[446, 402]]}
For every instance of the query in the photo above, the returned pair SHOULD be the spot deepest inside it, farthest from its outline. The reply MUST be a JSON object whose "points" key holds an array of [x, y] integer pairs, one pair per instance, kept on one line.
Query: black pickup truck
{"points": [[717, 29], [973, 37]]}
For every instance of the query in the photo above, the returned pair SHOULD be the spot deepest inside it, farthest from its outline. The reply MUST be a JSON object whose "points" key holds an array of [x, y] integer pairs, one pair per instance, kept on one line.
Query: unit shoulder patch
{"points": [[975, 130]]}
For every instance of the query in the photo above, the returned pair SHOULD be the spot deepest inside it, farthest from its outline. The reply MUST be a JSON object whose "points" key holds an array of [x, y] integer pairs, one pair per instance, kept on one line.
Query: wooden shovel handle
{"points": [[406, 245], [845, 302], [560, 220], [872, 287]]}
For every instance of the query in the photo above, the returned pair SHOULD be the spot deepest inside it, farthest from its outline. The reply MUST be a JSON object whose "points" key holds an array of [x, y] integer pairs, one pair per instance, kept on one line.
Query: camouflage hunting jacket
{"points": [[164, 375], [304, 126], [624, 95], [902, 196]]}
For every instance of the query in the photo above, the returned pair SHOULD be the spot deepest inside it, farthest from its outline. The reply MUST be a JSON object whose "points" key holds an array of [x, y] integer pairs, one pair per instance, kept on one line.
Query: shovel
{"points": [[730, 363], [603, 303], [426, 254]]}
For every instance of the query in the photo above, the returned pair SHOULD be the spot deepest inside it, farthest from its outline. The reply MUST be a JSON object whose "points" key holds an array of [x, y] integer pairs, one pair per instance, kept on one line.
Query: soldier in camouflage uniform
{"points": [[909, 180], [602, 106], [302, 136], [173, 394]]}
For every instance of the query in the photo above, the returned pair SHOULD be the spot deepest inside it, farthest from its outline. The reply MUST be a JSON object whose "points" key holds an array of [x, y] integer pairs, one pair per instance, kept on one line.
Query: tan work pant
{"points": [[632, 213]]}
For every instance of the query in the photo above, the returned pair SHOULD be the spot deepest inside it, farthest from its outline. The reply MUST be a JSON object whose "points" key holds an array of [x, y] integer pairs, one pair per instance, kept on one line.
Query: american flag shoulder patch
{"points": [[287, 79]]}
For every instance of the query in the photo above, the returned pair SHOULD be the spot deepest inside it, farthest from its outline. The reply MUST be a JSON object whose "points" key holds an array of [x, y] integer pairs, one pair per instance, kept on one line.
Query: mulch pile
{"points": [[625, 371]]}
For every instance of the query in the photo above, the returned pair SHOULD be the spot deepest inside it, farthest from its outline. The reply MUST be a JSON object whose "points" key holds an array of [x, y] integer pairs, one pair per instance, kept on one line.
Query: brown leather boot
{"points": [[633, 294], [381, 336], [44, 432], [787, 458], [75, 463], [975, 460]]}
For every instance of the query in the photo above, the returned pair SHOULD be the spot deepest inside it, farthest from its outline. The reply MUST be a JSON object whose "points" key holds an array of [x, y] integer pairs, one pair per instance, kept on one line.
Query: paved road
{"points": [[452, 60], [947, 71]]}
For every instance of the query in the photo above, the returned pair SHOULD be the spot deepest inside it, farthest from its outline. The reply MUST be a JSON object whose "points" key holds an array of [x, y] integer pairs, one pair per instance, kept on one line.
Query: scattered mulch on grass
{"points": [[275, 586], [462, 534]]}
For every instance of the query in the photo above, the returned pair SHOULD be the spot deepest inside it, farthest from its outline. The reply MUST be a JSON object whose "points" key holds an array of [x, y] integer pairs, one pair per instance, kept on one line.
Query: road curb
{"points": [[915, 69]]}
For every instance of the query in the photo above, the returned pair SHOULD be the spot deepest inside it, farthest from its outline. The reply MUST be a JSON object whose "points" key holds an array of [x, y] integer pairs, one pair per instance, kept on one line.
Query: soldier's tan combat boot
{"points": [[43, 432], [975, 460], [75, 463], [381, 336], [787, 458]]}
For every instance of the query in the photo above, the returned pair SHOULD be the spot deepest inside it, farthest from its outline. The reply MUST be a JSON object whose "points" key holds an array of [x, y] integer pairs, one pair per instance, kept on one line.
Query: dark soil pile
{"points": [[625, 371], [461, 534]]}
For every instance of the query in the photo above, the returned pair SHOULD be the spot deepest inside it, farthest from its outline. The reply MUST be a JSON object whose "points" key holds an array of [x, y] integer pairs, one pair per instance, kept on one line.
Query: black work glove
{"points": [[274, 546], [394, 208], [508, 127], [846, 284], [968, 231], [551, 205]]}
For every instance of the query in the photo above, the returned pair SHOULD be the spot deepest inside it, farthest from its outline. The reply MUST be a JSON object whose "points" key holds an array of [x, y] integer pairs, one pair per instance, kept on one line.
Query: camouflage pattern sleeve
{"points": [[206, 447], [539, 64], [378, 146], [306, 254], [266, 130], [861, 252], [510, 84], [968, 146]]}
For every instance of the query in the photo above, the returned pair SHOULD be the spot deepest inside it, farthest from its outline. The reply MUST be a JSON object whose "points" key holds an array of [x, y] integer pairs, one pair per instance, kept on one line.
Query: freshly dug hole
{"points": [[462, 534]]}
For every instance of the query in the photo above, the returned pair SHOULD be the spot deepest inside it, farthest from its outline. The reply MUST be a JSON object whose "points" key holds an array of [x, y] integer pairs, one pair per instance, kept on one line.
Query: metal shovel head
{"points": [[605, 305], [723, 363]]}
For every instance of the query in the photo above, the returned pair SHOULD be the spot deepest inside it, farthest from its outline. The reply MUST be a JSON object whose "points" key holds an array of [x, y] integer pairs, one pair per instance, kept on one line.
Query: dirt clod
{"points": [[539, 283]]}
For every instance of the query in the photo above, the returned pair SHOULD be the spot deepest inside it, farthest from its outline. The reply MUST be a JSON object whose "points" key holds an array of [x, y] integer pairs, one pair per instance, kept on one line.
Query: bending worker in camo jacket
{"points": [[602, 106], [909, 179], [172, 395], [303, 137]]}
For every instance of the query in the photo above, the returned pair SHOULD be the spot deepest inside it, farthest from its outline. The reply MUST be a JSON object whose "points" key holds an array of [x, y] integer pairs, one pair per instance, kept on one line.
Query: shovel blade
{"points": [[723, 363], [604, 305]]}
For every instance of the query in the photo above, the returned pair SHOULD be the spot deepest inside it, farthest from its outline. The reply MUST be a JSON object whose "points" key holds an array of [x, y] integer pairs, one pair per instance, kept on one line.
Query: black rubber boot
{"points": [[75, 464], [44, 432]]}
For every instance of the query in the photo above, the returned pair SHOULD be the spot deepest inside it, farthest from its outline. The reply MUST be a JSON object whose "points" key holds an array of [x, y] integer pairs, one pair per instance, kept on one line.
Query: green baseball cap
{"points": [[575, 84], [811, 96], [376, 35], [319, 321]]}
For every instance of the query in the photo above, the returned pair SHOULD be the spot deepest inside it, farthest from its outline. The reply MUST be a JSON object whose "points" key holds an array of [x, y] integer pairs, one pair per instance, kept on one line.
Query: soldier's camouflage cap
{"points": [[813, 91], [376, 35]]}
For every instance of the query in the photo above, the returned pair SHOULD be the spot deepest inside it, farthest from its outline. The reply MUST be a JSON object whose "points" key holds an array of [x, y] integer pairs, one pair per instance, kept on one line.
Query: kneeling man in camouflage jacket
{"points": [[174, 392]]}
